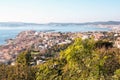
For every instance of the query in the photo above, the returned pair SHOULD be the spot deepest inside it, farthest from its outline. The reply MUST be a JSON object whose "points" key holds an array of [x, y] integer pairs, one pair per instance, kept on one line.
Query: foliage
{"points": [[51, 70], [24, 58], [82, 60], [105, 44], [20, 71], [17, 72], [117, 74]]}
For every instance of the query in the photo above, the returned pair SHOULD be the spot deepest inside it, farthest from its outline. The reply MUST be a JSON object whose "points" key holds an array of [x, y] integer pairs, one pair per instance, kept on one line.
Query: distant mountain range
{"points": [[57, 24], [16, 24], [91, 23], [104, 23]]}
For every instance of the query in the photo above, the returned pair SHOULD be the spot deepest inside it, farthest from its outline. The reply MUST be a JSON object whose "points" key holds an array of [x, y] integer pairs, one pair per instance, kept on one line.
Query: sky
{"points": [[46, 11]]}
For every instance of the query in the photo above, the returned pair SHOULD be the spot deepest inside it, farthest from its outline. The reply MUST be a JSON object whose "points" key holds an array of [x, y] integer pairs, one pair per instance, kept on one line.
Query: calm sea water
{"points": [[12, 32]]}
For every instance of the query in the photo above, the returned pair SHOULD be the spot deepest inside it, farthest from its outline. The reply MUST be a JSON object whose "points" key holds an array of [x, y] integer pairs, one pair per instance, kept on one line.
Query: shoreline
{"points": [[45, 39], [41, 41], [73, 28]]}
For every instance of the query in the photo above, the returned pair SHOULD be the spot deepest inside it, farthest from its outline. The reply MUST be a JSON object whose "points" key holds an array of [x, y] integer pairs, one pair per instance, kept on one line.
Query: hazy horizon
{"points": [[56, 22], [60, 11]]}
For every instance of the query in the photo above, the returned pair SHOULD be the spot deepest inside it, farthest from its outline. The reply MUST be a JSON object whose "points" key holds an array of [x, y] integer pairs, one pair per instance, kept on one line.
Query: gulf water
{"points": [[8, 32]]}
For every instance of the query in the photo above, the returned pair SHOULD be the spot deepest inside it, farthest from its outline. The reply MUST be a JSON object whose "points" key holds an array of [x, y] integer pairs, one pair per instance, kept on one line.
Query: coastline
{"points": [[42, 41], [14, 31], [45, 39]]}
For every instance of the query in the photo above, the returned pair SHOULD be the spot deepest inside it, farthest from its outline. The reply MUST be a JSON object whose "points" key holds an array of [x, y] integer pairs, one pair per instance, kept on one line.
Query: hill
{"points": [[12, 24]]}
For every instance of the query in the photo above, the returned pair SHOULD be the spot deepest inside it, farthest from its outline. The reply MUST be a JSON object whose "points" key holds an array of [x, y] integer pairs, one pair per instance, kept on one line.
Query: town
{"points": [[43, 42]]}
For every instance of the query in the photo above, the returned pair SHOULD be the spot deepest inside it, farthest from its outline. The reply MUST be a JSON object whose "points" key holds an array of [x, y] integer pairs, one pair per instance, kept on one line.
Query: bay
{"points": [[8, 32]]}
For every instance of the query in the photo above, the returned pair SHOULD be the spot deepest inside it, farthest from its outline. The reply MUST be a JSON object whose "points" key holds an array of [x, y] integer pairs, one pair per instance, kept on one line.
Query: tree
{"points": [[82, 60], [24, 58]]}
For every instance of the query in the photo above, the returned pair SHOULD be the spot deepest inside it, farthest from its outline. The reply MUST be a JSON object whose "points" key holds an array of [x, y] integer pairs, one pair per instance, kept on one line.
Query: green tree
{"points": [[82, 60], [24, 58]]}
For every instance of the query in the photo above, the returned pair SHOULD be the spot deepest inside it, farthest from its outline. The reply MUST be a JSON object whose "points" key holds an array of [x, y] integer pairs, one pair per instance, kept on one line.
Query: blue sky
{"points": [[45, 11]]}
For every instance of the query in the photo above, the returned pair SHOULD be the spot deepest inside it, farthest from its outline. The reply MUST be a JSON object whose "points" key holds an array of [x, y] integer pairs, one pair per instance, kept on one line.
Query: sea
{"points": [[10, 32]]}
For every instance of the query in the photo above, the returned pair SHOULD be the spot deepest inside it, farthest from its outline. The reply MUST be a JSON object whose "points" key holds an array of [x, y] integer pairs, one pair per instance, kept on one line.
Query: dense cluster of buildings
{"points": [[41, 41]]}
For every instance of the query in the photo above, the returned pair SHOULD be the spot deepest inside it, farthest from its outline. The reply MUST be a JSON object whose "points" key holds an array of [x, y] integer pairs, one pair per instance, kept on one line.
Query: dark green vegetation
{"points": [[82, 60], [20, 71]]}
